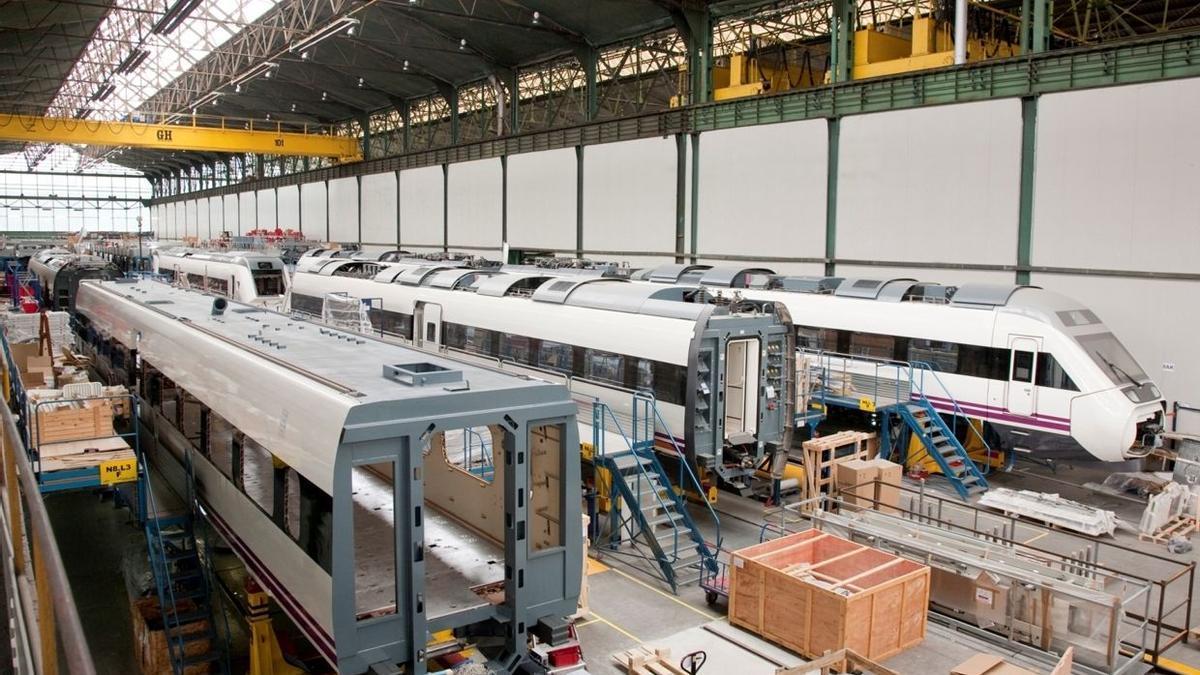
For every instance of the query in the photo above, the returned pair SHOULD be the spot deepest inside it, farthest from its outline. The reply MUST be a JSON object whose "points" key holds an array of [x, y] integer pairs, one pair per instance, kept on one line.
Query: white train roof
{"points": [[242, 258], [295, 387]]}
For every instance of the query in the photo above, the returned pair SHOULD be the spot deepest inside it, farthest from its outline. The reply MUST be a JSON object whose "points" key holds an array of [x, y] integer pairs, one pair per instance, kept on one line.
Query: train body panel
{"points": [[1039, 367], [59, 273], [253, 278]]}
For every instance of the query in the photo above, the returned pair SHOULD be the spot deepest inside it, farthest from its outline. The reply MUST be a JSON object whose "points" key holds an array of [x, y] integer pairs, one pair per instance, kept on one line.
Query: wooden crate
{"points": [[814, 593], [73, 422], [823, 454], [150, 640]]}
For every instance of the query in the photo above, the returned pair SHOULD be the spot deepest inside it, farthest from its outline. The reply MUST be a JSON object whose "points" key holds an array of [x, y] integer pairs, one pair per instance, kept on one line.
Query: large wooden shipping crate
{"points": [[813, 592], [76, 420]]}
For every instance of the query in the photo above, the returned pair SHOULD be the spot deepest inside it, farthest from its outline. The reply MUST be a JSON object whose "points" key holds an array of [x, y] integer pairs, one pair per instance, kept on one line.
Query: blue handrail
{"points": [[598, 434]]}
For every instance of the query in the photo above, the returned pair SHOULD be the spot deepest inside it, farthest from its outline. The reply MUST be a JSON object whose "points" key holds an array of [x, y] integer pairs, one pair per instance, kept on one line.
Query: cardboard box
{"points": [[888, 493], [854, 472]]}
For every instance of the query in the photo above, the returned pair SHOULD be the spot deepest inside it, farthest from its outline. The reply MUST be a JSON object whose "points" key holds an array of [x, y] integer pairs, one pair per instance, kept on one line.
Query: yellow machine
{"points": [[887, 50], [918, 456], [265, 656]]}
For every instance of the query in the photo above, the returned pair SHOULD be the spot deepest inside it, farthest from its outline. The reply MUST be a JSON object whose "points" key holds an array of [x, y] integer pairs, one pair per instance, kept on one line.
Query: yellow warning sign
{"points": [[866, 404], [118, 471]]}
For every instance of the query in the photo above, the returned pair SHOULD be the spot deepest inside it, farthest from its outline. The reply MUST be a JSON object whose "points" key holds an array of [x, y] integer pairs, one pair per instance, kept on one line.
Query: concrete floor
{"points": [[628, 605]]}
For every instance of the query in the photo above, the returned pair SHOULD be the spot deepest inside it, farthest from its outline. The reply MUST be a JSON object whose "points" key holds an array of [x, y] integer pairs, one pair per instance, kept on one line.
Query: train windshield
{"points": [[1113, 358], [268, 283]]}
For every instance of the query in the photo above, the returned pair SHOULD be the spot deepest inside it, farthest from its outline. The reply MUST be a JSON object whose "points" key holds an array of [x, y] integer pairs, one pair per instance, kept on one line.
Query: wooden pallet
{"points": [[646, 661], [841, 661], [1179, 526], [823, 454]]}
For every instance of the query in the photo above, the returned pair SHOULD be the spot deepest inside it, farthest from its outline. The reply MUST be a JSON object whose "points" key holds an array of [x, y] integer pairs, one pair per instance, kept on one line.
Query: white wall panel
{"points": [[1145, 315], [216, 214], [762, 190], [421, 207], [343, 210], [169, 220], [629, 196], [936, 184], [191, 218], [288, 202], [476, 204], [247, 212], [542, 199], [231, 214], [379, 209], [1116, 178], [791, 268], [202, 228], [313, 212], [266, 209], [952, 277]]}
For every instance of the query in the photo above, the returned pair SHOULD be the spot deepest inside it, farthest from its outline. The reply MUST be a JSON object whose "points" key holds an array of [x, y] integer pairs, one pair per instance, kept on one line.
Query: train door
{"points": [[429, 325], [1022, 395], [741, 387]]}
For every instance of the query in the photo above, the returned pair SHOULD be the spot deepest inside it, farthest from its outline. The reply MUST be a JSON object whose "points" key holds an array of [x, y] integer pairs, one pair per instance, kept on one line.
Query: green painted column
{"points": [[514, 103], [694, 245], [681, 187], [406, 121], [831, 194], [841, 35], [1041, 26], [589, 58], [579, 201], [1025, 198]]}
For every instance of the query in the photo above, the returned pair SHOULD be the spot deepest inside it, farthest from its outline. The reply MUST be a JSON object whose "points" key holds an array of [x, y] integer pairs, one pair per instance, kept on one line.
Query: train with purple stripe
{"points": [[1041, 371]]}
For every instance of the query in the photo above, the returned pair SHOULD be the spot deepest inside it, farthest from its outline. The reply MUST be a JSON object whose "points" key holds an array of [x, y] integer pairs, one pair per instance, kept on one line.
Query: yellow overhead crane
{"points": [[263, 138]]}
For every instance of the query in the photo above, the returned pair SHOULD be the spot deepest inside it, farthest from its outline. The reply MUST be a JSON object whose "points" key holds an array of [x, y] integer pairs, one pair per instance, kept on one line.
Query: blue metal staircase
{"points": [[653, 514], [942, 446], [182, 580]]}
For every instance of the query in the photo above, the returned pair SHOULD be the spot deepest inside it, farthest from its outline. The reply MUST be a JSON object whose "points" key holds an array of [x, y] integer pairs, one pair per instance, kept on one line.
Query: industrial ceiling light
{"points": [[360, 83], [268, 117], [324, 96], [537, 18], [462, 45], [350, 31], [293, 107], [405, 64], [237, 88], [304, 56], [331, 29]]}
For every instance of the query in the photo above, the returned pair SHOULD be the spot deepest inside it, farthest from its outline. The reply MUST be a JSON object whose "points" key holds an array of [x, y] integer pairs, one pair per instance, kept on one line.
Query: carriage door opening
{"points": [[741, 389], [1022, 395], [429, 333]]}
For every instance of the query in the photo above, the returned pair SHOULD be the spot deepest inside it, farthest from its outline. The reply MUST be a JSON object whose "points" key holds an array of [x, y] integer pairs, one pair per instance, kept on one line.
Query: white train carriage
{"points": [[245, 276], [720, 374], [379, 493], [59, 272], [1042, 370]]}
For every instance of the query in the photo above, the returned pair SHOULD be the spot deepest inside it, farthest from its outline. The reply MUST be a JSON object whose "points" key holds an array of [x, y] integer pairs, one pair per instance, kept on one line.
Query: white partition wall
{"points": [[231, 214], [248, 212], [216, 215], [938, 184], [421, 208], [343, 210], [287, 201], [266, 209], [475, 204], [763, 184], [542, 197], [202, 214], [313, 213], [1117, 177], [169, 220], [629, 197], [379, 209]]}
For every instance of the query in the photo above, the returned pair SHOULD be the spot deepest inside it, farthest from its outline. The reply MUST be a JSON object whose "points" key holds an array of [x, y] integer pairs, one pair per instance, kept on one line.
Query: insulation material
{"points": [[345, 312], [25, 327], [1052, 510]]}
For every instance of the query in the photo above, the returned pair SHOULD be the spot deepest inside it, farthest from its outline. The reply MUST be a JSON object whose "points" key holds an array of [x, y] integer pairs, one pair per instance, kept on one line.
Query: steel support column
{"points": [[831, 194], [681, 187], [694, 24], [841, 36], [514, 102], [1025, 198], [589, 58], [406, 121], [365, 122], [695, 224], [579, 201]]}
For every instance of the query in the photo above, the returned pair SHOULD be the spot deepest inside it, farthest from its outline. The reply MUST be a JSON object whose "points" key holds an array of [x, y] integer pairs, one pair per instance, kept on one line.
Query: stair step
{"points": [[198, 659], [668, 517], [182, 619]]}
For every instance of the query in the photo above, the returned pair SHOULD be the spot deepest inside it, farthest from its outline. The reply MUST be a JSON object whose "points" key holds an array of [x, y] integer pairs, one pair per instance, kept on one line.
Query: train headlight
{"points": [[1132, 395]]}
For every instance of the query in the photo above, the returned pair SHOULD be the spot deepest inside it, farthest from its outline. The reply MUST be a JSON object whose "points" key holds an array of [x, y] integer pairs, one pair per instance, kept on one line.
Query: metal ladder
{"points": [[182, 580], [657, 515], [943, 447]]}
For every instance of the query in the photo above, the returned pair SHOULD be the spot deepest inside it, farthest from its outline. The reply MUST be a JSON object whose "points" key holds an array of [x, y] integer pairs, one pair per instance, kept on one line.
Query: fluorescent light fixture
{"points": [[331, 29], [104, 91], [130, 63], [175, 15]]}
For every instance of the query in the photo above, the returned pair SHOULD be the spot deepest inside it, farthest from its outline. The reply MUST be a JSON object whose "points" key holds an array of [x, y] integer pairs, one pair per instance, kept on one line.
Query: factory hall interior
{"points": [[622, 337]]}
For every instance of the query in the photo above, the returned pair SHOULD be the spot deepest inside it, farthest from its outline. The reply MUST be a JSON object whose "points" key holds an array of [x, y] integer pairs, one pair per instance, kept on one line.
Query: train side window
{"points": [[555, 356], [220, 444], [316, 524], [605, 367], [1022, 366], [941, 356], [373, 492], [515, 348], [258, 474], [808, 337], [268, 283], [291, 503], [872, 345], [670, 383], [480, 341], [1051, 374], [308, 304], [643, 375], [392, 323]]}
